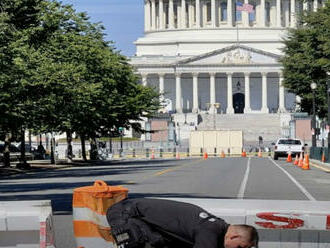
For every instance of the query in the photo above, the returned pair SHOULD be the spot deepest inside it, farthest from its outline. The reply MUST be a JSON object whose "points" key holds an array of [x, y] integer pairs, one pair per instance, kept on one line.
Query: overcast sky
{"points": [[123, 20]]}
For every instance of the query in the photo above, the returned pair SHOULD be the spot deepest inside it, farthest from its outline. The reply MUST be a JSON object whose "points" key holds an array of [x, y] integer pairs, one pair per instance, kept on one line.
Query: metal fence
{"points": [[316, 153]]}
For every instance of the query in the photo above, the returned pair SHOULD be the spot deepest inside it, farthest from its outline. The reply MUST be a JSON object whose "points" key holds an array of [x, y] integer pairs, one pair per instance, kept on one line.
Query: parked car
{"points": [[15, 153], [284, 146]]}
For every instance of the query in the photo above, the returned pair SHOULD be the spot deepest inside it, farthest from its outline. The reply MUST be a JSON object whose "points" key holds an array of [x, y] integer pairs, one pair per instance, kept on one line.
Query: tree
{"points": [[15, 18], [60, 75], [88, 87], [307, 59]]}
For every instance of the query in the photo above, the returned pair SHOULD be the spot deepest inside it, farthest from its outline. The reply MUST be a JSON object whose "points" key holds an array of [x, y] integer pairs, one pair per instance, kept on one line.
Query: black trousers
{"points": [[122, 217]]}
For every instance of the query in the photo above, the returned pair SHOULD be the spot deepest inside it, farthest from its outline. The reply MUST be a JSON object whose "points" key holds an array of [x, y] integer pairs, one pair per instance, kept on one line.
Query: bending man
{"points": [[162, 223]]}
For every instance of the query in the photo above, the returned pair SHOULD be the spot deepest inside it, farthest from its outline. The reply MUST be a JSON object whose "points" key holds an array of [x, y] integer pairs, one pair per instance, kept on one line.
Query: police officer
{"points": [[143, 222]]}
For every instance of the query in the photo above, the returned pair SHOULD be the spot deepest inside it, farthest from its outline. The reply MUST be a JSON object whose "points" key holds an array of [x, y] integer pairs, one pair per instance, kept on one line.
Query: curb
{"points": [[320, 165]]}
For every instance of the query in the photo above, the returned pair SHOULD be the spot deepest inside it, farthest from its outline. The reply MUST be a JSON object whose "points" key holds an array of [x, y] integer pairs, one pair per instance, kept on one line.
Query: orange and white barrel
{"points": [[90, 205]]}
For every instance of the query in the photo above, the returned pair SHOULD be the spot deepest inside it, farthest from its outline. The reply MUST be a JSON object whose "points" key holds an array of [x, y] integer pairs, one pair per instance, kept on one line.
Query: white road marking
{"points": [[302, 188], [241, 192]]}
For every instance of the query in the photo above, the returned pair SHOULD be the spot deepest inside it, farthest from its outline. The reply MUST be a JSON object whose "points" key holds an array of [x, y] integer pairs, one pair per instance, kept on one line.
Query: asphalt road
{"points": [[247, 178]]}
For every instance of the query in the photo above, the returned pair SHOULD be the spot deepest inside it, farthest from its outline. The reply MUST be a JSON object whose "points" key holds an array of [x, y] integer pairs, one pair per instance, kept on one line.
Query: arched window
{"points": [[238, 13], [223, 13]]}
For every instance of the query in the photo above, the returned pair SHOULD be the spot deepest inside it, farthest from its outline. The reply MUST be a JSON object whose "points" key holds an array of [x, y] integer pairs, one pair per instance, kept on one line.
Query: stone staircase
{"points": [[268, 126]]}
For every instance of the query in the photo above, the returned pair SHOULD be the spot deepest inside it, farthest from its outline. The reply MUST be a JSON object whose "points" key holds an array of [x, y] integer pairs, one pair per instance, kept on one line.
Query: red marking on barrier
{"points": [[328, 222], [42, 234], [291, 223]]}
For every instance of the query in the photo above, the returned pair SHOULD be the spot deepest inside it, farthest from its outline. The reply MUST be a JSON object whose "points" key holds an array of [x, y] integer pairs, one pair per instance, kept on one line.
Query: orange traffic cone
{"points": [[296, 161], [177, 155], [289, 159], [205, 156], [222, 155], [306, 163], [243, 153], [323, 157], [152, 154], [301, 162], [259, 153]]}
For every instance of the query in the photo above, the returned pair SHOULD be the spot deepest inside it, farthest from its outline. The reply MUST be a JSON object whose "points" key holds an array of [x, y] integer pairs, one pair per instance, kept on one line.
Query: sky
{"points": [[123, 20]]}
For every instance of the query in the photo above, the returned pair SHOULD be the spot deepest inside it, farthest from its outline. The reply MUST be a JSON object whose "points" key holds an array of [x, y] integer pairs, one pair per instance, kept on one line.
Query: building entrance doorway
{"points": [[239, 103]]}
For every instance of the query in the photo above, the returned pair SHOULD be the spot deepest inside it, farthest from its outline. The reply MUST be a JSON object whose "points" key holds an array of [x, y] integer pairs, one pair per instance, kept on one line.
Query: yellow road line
{"points": [[175, 168], [163, 172], [321, 168]]}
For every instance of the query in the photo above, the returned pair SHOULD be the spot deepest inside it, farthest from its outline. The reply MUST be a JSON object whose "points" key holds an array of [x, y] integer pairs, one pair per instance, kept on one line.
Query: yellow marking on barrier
{"points": [[321, 167]]}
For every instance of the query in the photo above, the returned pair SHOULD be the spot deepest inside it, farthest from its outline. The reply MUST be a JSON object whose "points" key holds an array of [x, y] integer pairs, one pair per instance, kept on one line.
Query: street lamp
{"points": [[313, 87], [215, 106], [121, 133], [328, 95]]}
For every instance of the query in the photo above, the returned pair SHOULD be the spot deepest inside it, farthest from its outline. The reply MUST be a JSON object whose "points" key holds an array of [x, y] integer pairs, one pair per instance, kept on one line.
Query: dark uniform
{"points": [[164, 223]]}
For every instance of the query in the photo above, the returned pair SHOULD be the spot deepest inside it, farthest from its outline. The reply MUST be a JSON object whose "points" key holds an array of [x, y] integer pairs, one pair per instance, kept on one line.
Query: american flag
{"points": [[244, 7]]}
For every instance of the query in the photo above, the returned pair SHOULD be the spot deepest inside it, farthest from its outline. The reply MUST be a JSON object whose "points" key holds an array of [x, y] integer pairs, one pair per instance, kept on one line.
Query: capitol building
{"points": [[210, 57]]}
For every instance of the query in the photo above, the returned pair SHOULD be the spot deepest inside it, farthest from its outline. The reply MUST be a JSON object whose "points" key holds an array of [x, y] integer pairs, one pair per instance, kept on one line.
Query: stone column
{"points": [[204, 16], [198, 14], [178, 17], [287, 13], [144, 77], [153, 14], [278, 13], [178, 93], [293, 13], [213, 15], [147, 15], [161, 86], [161, 14], [212, 92], [281, 107], [183, 14], [264, 108], [230, 109], [245, 16], [170, 14], [230, 13], [315, 5], [305, 6], [247, 108], [195, 93], [190, 15], [262, 14]]}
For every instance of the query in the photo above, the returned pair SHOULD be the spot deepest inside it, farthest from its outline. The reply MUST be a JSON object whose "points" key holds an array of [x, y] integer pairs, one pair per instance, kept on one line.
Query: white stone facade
{"points": [[199, 53]]}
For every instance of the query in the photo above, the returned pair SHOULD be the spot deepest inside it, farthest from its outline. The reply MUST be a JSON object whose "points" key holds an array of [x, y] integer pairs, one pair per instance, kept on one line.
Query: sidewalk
{"points": [[39, 165], [320, 165]]}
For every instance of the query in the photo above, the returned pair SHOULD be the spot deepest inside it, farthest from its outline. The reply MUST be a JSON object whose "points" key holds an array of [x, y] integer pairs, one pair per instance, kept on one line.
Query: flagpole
{"points": [[237, 33]]}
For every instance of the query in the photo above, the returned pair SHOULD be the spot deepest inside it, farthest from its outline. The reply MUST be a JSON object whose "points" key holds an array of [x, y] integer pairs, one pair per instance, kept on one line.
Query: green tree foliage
{"points": [[60, 75], [307, 59]]}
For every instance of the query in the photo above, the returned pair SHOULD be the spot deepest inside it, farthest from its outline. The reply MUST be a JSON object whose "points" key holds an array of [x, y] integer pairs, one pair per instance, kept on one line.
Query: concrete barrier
{"points": [[26, 224], [281, 223]]}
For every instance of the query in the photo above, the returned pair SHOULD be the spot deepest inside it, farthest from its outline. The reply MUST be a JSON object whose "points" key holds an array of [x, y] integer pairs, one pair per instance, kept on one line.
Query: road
{"points": [[246, 178]]}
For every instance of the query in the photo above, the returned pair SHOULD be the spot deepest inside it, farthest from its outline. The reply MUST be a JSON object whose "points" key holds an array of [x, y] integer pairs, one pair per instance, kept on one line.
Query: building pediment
{"points": [[233, 55]]}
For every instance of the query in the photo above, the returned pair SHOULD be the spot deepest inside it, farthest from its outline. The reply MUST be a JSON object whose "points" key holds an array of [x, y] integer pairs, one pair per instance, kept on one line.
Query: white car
{"points": [[284, 146]]}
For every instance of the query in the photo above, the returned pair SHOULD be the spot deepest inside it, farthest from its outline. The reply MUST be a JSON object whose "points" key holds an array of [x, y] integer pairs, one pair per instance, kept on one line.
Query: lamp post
{"points": [[215, 106], [313, 87], [121, 132], [328, 95]]}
